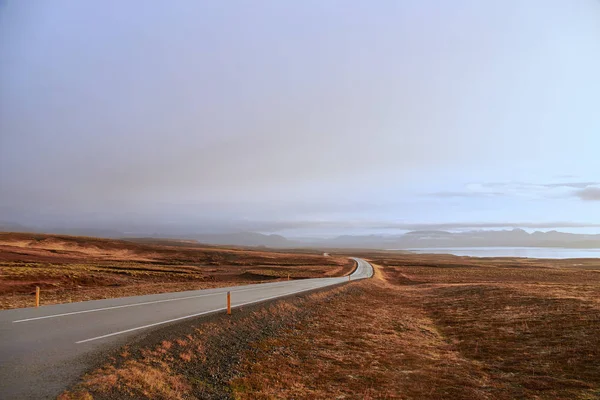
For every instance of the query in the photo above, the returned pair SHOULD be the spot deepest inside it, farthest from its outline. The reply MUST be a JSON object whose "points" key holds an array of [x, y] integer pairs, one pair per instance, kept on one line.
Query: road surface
{"points": [[44, 350]]}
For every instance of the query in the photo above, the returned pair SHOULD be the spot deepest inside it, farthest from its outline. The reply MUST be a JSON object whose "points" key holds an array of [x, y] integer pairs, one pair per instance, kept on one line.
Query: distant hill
{"points": [[11, 227], [502, 238], [252, 239], [434, 233], [413, 239]]}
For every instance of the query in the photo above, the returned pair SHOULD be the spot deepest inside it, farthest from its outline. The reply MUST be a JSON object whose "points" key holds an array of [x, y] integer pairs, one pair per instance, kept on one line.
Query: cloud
{"points": [[234, 109], [451, 194], [537, 186], [589, 194], [518, 189], [407, 226], [495, 225], [576, 185]]}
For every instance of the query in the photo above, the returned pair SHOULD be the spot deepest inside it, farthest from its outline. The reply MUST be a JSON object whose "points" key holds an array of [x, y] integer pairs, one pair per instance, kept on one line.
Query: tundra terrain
{"points": [[425, 327], [74, 268]]}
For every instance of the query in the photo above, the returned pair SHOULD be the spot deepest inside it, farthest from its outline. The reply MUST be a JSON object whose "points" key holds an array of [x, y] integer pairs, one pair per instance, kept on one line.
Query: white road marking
{"points": [[278, 284], [144, 303], [194, 315], [150, 325], [113, 307]]}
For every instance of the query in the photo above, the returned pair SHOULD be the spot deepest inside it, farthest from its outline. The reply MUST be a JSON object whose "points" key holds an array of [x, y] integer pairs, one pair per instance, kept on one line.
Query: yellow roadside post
{"points": [[37, 296]]}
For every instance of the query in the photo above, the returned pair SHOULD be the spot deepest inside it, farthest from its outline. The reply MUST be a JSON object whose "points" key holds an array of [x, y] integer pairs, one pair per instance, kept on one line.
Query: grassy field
{"points": [[426, 327], [69, 268]]}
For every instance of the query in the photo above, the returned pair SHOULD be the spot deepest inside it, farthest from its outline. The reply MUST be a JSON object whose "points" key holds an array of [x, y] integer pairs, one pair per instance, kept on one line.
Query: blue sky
{"points": [[301, 117]]}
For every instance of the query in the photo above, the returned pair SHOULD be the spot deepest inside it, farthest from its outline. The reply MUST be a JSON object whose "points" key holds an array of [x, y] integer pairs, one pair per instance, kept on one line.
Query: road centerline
{"points": [[113, 307], [196, 314], [141, 304]]}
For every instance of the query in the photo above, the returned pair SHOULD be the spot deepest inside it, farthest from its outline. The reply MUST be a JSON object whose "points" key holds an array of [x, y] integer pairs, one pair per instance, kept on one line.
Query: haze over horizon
{"points": [[303, 119]]}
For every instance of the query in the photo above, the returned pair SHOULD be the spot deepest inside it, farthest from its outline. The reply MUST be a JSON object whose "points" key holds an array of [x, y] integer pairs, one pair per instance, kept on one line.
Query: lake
{"points": [[529, 252]]}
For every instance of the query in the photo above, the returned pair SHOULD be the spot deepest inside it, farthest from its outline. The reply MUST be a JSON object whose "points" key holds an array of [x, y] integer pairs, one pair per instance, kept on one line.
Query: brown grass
{"points": [[69, 268], [201, 360], [426, 327], [373, 344]]}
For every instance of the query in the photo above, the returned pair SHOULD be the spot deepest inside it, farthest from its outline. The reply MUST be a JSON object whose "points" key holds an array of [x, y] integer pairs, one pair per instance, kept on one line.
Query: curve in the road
{"points": [[42, 350]]}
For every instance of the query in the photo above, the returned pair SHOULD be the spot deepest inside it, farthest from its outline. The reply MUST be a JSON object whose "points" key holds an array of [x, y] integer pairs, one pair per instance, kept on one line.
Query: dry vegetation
{"points": [[427, 327], [197, 361], [69, 268]]}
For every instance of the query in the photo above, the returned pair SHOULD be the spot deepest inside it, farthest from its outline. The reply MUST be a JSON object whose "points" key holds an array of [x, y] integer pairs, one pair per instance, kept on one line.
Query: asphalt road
{"points": [[43, 350]]}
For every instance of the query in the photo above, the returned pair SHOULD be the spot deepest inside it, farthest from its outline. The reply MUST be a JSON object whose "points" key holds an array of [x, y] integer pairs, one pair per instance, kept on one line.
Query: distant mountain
{"points": [[11, 227], [414, 239], [252, 239], [433, 233], [350, 241], [430, 239]]}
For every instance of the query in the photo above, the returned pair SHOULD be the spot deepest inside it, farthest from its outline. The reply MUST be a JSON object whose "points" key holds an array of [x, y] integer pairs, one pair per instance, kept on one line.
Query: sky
{"points": [[300, 118]]}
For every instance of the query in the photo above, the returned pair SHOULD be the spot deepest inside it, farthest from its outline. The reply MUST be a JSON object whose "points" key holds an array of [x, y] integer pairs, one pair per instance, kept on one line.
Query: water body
{"points": [[528, 252]]}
